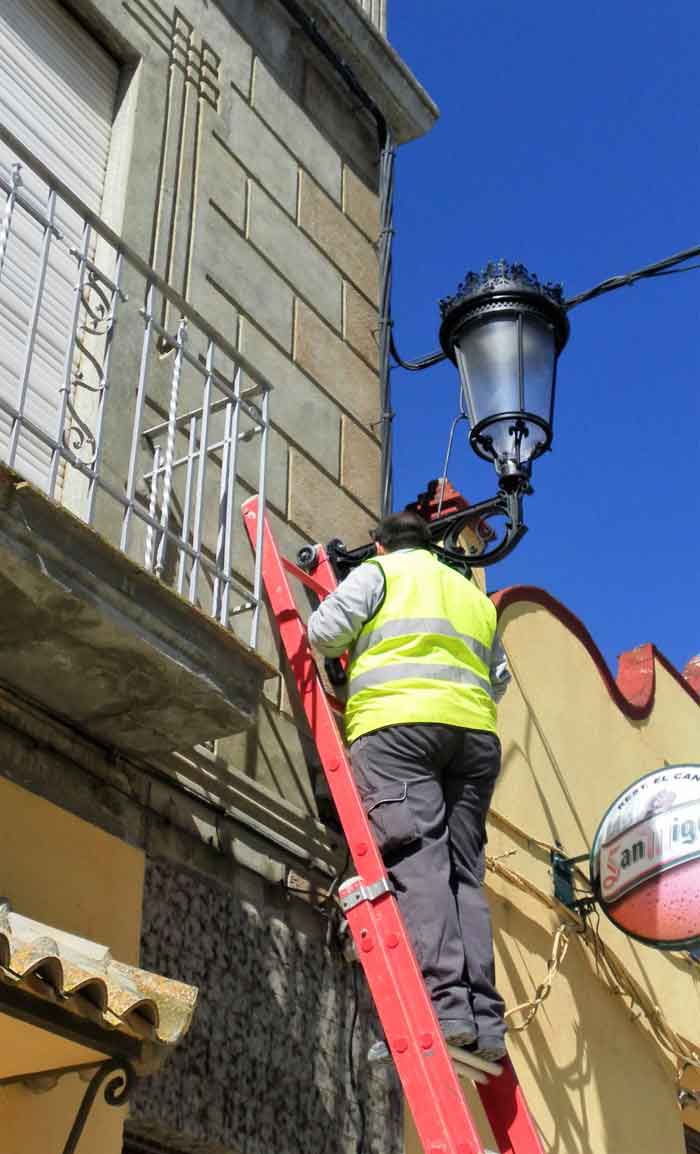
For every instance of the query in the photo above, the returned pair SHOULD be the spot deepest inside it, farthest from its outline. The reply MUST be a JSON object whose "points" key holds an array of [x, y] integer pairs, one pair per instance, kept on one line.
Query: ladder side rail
{"points": [[318, 712], [433, 1092], [508, 1113], [430, 1083]]}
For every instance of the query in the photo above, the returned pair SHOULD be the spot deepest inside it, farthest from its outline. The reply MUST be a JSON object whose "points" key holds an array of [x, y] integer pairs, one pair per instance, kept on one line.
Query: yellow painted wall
{"points": [[40, 1123], [595, 1079], [61, 870]]}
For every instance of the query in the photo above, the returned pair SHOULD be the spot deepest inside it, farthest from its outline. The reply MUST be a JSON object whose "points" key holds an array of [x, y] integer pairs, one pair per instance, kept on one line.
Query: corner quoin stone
{"points": [[360, 325], [360, 204], [360, 464], [335, 234]]}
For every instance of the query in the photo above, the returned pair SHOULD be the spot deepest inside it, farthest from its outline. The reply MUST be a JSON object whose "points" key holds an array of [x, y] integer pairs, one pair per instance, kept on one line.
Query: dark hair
{"points": [[402, 531]]}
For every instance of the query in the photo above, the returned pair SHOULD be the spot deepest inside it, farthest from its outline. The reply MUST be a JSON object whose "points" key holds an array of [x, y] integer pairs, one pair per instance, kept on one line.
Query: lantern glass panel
{"points": [[539, 360], [487, 357]]}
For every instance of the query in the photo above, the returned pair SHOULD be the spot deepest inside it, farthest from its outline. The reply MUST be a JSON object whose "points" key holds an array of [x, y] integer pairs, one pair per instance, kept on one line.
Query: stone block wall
{"points": [[248, 178]]}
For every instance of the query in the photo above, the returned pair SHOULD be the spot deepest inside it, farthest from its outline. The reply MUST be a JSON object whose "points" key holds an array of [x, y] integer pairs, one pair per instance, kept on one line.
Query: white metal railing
{"points": [[376, 10], [120, 400]]}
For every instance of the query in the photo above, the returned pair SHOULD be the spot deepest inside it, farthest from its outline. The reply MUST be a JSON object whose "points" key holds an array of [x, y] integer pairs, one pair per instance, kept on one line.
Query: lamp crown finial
{"points": [[499, 275]]}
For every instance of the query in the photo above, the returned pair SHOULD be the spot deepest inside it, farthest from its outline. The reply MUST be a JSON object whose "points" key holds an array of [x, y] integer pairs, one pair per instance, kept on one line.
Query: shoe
{"points": [[455, 1034], [490, 1050], [459, 1034], [378, 1053]]}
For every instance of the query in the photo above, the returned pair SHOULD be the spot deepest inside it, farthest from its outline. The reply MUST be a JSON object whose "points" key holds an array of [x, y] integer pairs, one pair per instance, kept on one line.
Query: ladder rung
{"points": [[462, 1059], [306, 579]]}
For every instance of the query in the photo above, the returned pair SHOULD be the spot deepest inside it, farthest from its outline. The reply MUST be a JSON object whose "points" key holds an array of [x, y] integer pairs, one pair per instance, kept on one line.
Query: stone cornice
{"points": [[407, 107]]}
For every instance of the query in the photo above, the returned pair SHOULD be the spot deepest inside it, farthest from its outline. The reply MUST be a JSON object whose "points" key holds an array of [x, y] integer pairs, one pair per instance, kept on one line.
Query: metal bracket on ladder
{"points": [[432, 1088], [353, 891]]}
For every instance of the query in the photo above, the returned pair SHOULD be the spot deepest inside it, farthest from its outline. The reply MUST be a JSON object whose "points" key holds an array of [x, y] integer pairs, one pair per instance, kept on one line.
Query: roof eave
{"points": [[408, 109]]}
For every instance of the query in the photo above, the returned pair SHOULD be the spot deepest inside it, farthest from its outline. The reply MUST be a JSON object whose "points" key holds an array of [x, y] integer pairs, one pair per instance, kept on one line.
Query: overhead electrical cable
{"points": [[660, 268]]}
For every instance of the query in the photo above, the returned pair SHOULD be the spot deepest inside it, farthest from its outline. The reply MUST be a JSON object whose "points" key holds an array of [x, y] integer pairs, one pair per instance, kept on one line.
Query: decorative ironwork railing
{"points": [[120, 400]]}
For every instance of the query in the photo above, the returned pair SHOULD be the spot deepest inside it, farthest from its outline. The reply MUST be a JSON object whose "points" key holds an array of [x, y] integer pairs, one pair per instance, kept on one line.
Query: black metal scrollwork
{"points": [[507, 503], [116, 1093]]}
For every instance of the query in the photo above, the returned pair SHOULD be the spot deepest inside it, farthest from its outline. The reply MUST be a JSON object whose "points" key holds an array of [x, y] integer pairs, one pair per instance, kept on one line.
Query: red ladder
{"points": [[422, 1060]]}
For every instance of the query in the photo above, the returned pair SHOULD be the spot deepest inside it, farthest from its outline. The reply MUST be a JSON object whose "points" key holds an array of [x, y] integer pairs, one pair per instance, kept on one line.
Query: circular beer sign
{"points": [[645, 860]]}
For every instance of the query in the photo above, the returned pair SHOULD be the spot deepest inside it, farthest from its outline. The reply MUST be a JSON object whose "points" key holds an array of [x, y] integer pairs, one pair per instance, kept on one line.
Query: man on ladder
{"points": [[426, 670]]}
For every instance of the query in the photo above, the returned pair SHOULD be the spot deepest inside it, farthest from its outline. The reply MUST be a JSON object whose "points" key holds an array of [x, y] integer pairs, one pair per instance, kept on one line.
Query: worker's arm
{"points": [[500, 673], [339, 618]]}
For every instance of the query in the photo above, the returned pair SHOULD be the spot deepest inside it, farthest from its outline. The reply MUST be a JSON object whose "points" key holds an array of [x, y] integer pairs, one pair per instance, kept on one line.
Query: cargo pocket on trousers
{"points": [[390, 816]]}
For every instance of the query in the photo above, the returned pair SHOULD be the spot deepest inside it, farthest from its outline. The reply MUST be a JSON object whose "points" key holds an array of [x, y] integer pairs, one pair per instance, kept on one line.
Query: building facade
{"points": [[188, 315], [606, 1054]]}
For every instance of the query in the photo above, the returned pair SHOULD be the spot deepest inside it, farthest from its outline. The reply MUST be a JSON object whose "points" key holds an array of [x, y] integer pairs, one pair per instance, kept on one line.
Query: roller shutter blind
{"points": [[58, 90]]}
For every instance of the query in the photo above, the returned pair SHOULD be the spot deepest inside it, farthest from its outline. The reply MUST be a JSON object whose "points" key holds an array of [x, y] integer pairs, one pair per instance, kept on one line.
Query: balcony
{"points": [[130, 431]]}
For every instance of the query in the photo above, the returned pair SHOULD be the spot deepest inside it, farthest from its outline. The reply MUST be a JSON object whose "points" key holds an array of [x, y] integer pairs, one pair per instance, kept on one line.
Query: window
{"points": [[58, 89]]}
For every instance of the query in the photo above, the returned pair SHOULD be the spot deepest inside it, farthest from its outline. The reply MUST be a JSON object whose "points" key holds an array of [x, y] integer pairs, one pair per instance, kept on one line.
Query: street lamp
{"points": [[504, 331]]}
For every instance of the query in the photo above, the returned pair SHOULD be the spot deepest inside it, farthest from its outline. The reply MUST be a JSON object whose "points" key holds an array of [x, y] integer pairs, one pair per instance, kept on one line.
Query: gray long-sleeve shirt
{"points": [[337, 622]]}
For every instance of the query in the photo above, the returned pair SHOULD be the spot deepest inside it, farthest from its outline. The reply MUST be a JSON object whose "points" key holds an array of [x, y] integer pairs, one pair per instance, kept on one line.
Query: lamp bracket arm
{"points": [[508, 504], [421, 363], [446, 530]]}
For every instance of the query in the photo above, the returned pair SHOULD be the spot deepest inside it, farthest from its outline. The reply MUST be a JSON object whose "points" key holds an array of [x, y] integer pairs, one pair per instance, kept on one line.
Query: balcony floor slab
{"points": [[96, 640]]}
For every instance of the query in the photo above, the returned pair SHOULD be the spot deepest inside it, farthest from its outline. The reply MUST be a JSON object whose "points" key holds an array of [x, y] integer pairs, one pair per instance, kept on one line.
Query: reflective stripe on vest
{"points": [[425, 656], [410, 625], [418, 670]]}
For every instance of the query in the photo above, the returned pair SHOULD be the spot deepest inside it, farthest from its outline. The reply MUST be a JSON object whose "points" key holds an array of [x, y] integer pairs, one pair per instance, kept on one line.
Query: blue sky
{"points": [[569, 140]]}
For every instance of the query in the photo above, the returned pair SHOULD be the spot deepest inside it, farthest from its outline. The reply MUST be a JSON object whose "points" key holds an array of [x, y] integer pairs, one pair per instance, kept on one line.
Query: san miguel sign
{"points": [[645, 860]]}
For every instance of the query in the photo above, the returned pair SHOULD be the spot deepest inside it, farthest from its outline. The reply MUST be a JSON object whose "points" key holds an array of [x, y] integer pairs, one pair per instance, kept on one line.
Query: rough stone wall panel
{"points": [[361, 204], [264, 156], [353, 133], [360, 325], [275, 38], [336, 235], [265, 1066], [223, 185], [248, 280]]}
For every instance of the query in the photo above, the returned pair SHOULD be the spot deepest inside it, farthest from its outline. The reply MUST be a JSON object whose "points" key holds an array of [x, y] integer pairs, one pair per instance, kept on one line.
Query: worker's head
{"points": [[401, 531]]}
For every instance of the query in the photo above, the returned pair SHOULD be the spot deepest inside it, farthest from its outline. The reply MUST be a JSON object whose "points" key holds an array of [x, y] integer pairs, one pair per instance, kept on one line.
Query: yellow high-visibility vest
{"points": [[425, 655]]}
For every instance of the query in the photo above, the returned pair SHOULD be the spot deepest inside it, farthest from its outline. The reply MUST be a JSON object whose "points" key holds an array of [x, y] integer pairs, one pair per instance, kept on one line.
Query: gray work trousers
{"points": [[426, 789]]}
